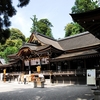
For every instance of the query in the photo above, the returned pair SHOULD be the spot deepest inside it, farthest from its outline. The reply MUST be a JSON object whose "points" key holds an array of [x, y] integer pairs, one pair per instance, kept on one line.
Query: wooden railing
{"points": [[68, 72], [50, 72]]}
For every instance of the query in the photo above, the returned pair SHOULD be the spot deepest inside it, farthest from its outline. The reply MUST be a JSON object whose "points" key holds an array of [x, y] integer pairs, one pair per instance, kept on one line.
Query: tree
{"points": [[42, 26], [27, 39], [68, 29], [72, 29], [14, 42], [77, 29], [84, 5], [34, 25], [16, 39], [9, 51], [16, 34], [79, 7], [7, 10]]}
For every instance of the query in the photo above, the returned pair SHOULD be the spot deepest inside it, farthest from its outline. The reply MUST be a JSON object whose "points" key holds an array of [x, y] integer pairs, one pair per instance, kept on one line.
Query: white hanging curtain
{"points": [[26, 62], [38, 60], [45, 60], [35, 61], [32, 62]]}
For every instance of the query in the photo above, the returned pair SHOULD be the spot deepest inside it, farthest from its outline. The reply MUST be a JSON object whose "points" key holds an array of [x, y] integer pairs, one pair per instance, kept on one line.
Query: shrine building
{"points": [[62, 61]]}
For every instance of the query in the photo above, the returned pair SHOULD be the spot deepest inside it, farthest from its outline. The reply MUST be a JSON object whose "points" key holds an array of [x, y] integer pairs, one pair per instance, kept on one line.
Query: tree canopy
{"points": [[84, 5], [42, 26], [16, 34], [79, 7], [7, 10], [72, 29], [13, 43]]}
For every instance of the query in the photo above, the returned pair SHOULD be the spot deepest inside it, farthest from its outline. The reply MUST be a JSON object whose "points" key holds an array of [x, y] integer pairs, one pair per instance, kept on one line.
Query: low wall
{"points": [[70, 79]]}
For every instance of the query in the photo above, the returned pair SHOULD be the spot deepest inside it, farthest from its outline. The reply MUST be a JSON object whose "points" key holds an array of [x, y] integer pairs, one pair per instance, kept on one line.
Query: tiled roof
{"points": [[42, 47], [35, 47], [77, 41], [73, 55], [81, 40], [30, 45], [49, 41], [7, 65]]}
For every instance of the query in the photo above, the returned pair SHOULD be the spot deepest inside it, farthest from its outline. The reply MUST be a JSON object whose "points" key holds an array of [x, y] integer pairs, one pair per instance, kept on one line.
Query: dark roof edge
{"points": [[30, 44], [74, 36]]}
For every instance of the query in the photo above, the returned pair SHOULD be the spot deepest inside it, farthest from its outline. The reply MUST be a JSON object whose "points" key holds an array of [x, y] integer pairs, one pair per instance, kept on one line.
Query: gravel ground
{"points": [[15, 91]]}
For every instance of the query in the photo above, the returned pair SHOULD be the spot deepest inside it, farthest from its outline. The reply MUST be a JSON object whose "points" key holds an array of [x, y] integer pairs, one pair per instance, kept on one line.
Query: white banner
{"points": [[35, 61], [26, 62], [45, 60]]}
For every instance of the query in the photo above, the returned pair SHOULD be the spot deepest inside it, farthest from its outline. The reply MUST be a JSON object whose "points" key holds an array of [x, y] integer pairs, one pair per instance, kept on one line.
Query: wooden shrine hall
{"points": [[61, 61], [66, 60]]}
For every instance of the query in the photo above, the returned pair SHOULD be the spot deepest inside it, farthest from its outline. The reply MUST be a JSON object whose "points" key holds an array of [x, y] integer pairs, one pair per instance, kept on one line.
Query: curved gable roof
{"points": [[47, 40], [77, 41], [29, 45]]}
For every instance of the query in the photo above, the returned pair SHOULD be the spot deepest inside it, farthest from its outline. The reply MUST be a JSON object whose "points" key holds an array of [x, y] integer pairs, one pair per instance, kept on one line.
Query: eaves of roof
{"points": [[7, 65], [76, 55]]}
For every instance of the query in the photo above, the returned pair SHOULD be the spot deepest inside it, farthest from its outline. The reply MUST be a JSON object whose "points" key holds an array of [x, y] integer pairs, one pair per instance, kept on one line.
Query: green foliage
{"points": [[42, 26], [34, 25], [68, 29], [16, 34], [7, 10], [2, 55], [72, 29], [18, 43], [1, 48], [79, 7], [48, 33], [10, 50], [27, 39], [10, 42], [84, 5], [14, 42]]}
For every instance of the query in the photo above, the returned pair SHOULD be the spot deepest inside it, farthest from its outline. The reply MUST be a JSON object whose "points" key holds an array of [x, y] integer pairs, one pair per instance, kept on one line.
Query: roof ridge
{"points": [[45, 36], [74, 36]]}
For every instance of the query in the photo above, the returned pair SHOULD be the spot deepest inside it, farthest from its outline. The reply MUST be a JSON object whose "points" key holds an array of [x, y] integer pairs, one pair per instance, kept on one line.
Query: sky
{"points": [[56, 11]]}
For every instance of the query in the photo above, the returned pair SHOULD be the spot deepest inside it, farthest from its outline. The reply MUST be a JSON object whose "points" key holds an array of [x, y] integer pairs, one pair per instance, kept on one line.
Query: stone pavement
{"points": [[15, 91]]}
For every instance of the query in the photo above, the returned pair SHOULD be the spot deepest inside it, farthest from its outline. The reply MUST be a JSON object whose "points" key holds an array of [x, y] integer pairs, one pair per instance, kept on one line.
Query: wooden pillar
{"points": [[69, 64], [4, 73], [29, 67], [85, 63], [14, 68], [56, 66], [9, 69], [49, 65], [22, 69]]}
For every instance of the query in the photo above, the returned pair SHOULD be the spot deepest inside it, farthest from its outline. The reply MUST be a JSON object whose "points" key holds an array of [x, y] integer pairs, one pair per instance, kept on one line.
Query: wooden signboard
{"points": [[4, 71], [91, 77], [38, 68]]}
